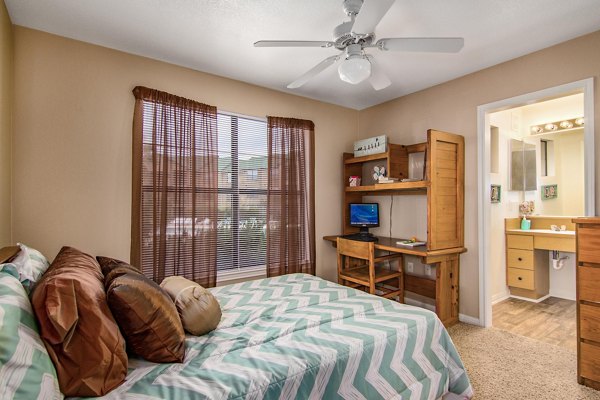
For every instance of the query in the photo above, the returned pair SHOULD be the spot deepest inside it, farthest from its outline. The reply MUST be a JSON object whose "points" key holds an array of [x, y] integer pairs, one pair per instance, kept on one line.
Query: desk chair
{"points": [[357, 268]]}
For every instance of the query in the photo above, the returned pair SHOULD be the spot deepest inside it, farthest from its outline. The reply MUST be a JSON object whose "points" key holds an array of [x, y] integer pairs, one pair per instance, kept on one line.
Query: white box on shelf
{"points": [[374, 145]]}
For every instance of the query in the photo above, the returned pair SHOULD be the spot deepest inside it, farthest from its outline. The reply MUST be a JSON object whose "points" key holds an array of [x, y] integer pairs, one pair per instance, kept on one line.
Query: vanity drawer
{"points": [[588, 245], [516, 258], [589, 322], [589, 361], [560, 243], [521, 278], [524, 242], [588, 282]]}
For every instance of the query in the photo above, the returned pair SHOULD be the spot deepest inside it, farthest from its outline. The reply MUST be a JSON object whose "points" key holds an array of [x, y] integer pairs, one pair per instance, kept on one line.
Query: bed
{"points": [[301, 337]]}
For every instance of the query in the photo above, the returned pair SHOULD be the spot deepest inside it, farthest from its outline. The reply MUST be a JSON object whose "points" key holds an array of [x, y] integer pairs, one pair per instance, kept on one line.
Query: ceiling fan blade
{"points": [[437, 45], [314, 71], [371, 12], [378, 79], [292, 43]]}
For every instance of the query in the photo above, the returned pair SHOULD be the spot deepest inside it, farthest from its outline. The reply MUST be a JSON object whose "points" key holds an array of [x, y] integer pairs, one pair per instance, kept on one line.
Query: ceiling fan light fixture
{"points": [[355, 69]]}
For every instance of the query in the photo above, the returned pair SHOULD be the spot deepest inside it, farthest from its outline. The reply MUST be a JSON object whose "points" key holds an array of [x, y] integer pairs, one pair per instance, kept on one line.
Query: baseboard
{"points": [[497, 298], [531, 300], [567, 295], [467, 319]]}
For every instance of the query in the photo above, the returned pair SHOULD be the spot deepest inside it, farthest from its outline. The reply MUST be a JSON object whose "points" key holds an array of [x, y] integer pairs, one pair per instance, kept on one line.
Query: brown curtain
{"points": [[290, 198], [174, 204]]}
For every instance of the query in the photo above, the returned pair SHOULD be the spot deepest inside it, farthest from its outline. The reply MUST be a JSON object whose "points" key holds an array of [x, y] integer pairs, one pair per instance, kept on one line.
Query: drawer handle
{"points": [[520, 259], [520, 278]]}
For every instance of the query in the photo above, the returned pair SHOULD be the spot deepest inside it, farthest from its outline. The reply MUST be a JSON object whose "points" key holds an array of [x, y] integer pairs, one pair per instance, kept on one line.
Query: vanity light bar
{"points": [[557, 126]]}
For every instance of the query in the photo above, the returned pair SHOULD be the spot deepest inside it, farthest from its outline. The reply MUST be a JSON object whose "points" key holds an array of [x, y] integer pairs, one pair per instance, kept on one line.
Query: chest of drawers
{"points": [[588, 301]]}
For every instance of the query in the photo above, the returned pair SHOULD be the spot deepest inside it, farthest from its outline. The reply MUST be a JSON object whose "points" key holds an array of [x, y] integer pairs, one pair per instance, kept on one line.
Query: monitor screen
{"points": [[364, 214]]}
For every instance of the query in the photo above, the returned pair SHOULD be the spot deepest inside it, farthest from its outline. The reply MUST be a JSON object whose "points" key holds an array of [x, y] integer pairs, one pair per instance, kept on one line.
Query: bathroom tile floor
{"points": [[552, 320]]}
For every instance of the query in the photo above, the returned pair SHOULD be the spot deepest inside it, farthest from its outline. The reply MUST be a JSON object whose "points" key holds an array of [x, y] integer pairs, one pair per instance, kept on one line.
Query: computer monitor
{"points": [[364, 216]]}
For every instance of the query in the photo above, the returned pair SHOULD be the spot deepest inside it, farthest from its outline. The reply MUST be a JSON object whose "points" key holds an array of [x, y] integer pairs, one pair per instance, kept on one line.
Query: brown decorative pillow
{"points": [[77, 327], [199, 310], [112, 268], [107, 264], [147, 317]]}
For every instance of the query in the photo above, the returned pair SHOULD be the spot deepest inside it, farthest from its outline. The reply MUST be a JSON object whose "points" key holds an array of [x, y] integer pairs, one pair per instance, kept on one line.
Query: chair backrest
{"points": [[356, 249]]}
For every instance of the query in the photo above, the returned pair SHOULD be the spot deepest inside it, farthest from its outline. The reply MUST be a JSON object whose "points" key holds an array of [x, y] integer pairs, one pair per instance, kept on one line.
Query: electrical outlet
{"points": [[410, 267], [427, 269]]}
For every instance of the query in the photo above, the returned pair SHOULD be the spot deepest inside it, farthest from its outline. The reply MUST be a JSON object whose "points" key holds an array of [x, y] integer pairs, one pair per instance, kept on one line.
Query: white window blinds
{"points": [[242, 182]]}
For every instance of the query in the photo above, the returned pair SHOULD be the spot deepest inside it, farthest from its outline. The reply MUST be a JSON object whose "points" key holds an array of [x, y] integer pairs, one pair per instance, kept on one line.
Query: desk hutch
{"points": [[443, 187]]}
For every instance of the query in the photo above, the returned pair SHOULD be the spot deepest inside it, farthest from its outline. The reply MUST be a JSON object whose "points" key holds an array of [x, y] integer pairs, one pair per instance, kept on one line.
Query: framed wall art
{"points": [[495, 193], [549, 192]]}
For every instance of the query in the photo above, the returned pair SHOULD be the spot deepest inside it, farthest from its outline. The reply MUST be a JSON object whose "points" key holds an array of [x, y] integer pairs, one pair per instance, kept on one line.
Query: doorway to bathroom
{"points": [[536, 161]]}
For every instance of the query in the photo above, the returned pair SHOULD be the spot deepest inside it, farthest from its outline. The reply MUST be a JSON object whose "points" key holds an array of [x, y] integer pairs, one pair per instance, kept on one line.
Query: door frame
{"points": [[585, 86]]}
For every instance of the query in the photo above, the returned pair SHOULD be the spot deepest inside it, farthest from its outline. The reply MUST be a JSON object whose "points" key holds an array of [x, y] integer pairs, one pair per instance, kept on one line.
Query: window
{"points": [[201, 184], [547, 157], [241, 229], [252, 174], [494, 150]]}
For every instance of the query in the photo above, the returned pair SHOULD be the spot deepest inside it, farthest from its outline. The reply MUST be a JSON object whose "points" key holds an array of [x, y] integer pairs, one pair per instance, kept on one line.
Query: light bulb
{"points": [[566, 124], [550, 127], [354, 69], [537, 129], [579, 121]]}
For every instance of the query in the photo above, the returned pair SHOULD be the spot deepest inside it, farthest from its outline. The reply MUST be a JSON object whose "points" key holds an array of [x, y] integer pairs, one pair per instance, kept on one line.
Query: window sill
{"points": [[230, 276]]}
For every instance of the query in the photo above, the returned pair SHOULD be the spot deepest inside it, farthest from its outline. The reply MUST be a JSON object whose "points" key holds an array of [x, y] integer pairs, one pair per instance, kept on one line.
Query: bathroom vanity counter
{"points": [[541, 232], [527, 256]]}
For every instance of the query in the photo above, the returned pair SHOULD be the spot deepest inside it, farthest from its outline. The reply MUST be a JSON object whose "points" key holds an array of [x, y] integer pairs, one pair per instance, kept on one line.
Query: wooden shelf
{"points": [[370, 157], [379, 187]]}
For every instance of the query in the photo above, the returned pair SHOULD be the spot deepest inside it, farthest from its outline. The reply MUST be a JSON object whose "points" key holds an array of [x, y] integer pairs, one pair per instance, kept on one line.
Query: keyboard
{"points": [[360, 237]]}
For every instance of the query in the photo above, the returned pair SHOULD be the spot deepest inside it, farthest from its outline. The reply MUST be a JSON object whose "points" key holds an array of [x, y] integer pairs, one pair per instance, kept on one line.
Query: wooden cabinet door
{"points": [[445, 173]]}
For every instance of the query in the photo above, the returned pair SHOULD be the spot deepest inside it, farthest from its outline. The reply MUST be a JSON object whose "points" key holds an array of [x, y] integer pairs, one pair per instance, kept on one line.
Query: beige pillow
{"points": [[199, 310]]}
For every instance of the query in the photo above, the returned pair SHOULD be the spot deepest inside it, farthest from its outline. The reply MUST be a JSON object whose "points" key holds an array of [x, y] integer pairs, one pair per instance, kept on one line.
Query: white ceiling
{"points": [[217, 36]]}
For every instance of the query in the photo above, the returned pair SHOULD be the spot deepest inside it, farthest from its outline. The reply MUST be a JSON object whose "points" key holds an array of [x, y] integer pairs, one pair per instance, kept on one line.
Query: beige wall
{"points": [[72, 124], [452, 107], [72, 141], [6, 79]]}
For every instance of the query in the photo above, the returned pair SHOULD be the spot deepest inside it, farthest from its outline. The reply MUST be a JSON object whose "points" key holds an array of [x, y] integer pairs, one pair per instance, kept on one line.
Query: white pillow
{"points": [[31, 265]]}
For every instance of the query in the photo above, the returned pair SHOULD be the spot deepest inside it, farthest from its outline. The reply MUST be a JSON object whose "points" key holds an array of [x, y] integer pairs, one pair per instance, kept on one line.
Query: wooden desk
{"points": [[444, 289]]}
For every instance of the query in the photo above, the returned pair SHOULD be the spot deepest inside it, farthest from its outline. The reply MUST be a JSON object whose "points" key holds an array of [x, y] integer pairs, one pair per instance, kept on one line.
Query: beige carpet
{"points": [[503, 365]]}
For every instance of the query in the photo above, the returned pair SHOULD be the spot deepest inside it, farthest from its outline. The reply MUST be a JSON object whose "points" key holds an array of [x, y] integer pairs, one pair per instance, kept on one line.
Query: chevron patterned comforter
{"points": [[301, 337]]}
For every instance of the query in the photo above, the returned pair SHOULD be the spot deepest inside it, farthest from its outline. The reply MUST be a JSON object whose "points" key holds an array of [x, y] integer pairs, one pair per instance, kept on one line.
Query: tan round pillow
{"points": [[199, 310]]}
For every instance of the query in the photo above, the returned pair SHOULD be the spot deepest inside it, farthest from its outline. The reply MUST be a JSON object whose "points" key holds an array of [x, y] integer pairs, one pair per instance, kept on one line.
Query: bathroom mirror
{"points": [[523, 174]]}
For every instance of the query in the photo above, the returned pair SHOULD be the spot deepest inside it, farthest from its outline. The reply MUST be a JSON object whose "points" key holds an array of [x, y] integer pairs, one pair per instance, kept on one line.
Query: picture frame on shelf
{"points": [[495, 193], [373, 145], [354, 181]]}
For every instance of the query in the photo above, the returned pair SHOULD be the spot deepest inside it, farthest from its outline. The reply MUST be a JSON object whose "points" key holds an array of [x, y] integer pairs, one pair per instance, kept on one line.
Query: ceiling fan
{"points": [[354, 36]]}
